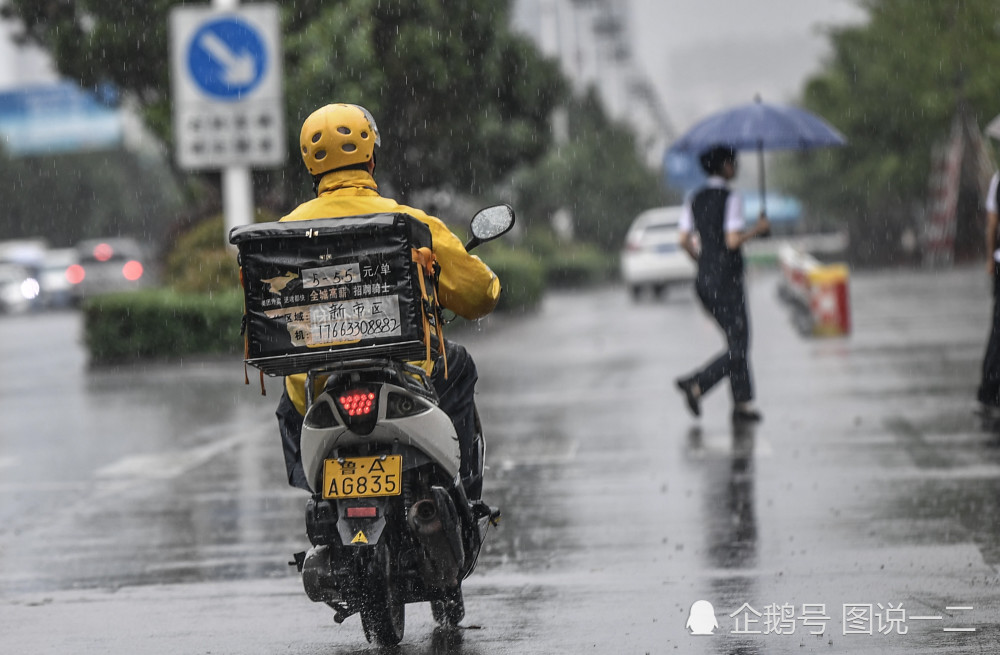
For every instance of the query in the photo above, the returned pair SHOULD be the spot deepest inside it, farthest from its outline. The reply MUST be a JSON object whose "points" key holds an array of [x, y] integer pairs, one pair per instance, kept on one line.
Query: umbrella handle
{"points": [[763, 192], [760, 176]]}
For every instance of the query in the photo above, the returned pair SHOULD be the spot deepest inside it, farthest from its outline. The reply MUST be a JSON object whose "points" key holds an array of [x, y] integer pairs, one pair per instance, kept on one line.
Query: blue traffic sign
{"points": [[227, 58]]}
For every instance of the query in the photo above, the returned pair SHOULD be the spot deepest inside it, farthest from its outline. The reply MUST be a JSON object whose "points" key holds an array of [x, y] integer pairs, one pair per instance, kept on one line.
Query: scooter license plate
{"points": [[362, 477]]}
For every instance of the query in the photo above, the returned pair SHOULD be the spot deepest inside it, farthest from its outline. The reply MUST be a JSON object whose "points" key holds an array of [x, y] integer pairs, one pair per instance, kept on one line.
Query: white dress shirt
{"points": [[735, 222]]}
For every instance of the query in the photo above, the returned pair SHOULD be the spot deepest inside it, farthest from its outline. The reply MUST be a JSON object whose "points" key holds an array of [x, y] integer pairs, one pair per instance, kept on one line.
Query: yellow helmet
{"points": [[338, 135]]}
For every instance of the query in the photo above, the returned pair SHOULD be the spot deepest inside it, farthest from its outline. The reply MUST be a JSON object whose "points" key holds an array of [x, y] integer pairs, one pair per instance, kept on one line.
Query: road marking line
{"points": [[166, 465], [543, 460]]}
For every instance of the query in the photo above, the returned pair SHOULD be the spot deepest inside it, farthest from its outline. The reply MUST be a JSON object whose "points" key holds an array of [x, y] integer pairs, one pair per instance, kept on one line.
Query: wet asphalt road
{"points": [[143, 510]]}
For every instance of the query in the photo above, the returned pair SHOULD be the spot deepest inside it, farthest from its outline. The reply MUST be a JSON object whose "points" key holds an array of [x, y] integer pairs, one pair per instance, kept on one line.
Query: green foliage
{"points": [[571, 264], [70, 197], [204, 271], [522, 278], [200, 263], [200, 260], [892, 87], [157, 323], [461, 100], [596, 174]]}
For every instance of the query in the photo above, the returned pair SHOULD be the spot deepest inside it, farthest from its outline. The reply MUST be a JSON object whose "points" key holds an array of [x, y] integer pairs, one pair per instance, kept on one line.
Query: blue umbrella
{"points": [[759, 126]]}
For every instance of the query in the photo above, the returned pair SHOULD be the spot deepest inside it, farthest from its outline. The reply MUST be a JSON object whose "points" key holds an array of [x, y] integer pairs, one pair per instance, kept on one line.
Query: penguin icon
{"points": [[701, 619]]}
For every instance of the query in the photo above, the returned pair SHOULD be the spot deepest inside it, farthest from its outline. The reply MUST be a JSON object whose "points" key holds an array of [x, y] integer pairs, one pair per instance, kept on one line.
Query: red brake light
{"points": [[75, 274], [362, 512], [132, 270], [103, 252], [357, 403]]}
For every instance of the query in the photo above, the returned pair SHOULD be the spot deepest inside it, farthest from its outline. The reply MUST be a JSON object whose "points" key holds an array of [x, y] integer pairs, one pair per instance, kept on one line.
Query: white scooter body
{"points": [[429, 432], [372, 553]]}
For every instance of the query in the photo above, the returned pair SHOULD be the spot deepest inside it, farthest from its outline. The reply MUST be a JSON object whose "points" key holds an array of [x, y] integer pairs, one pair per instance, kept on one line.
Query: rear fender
{"points": [[360, 532]]}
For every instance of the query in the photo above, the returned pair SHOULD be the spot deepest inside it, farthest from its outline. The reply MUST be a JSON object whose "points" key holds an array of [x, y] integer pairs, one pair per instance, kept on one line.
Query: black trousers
{"points": [[989, 386], [456, 397], [726, 303]]}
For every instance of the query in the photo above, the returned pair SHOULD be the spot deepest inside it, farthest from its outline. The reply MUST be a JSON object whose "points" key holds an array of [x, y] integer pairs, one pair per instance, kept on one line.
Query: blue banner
{"points": [[56, 118]]}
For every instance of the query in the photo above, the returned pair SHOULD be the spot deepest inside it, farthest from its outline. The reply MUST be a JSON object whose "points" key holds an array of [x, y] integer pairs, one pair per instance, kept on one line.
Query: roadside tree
{"points": [[893, 86]]}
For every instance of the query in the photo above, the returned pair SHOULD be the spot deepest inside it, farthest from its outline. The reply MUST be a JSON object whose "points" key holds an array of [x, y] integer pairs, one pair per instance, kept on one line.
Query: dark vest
{"points": [[717, 263]]}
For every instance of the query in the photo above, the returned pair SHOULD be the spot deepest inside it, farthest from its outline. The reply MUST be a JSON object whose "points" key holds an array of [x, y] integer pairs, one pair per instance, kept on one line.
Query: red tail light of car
{"points": [[75, 274], [103, 252], [132, 270]]}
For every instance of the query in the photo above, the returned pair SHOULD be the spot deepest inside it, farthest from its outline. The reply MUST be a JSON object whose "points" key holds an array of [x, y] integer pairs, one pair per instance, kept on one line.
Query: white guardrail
{"points": [[817, 292]]}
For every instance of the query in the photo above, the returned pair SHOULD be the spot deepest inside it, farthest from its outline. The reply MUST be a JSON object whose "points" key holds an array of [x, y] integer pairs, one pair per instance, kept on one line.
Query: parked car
{"points": [[652, 258], [107, 266], [18, 288]]}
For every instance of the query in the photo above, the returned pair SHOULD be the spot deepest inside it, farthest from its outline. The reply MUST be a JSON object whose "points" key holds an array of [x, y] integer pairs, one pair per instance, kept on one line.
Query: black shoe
{"points": [[747, 415], [687, 388]]}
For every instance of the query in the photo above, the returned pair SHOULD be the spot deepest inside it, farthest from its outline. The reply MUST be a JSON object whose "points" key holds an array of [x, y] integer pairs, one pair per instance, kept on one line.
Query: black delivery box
{"points": [[330, 289]]}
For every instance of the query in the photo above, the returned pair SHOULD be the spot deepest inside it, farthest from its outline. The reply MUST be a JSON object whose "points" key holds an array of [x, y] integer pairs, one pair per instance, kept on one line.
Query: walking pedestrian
{"points": [[715, 213], [989, 385]]}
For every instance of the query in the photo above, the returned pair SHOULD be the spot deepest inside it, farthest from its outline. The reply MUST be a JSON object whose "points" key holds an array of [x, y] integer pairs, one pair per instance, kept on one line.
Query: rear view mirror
{"points": [[490, 223]]}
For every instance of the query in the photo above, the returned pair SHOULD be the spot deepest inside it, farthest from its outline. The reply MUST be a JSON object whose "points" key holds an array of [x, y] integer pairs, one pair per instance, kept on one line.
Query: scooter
{"points": [[390, 520]]}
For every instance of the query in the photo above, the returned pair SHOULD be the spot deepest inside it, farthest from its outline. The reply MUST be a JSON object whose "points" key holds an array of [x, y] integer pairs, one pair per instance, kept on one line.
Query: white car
{"points": [[18, 288], [652, 257]]}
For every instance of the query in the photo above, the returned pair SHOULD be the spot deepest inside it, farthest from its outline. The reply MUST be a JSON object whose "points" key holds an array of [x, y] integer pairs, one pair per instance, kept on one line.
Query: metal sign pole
{"points": [[237, 197], [237, 184]]}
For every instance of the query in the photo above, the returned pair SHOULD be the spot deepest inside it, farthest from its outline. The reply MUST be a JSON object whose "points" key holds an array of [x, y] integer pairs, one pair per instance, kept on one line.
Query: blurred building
{"points": [[592, 41], [22, 65]]}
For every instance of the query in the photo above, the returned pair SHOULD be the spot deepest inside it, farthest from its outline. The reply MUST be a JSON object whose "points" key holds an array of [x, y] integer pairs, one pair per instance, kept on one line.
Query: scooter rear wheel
{"points": [[383, 613]]}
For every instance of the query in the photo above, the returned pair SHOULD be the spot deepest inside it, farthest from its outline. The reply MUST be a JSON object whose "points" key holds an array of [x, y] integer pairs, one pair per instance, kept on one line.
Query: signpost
{"points": [[226, 82]]}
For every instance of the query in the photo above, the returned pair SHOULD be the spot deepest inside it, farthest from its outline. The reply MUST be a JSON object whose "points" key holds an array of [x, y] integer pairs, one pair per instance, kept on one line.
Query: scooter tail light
{"points": [[358, 402], [362, 512]]}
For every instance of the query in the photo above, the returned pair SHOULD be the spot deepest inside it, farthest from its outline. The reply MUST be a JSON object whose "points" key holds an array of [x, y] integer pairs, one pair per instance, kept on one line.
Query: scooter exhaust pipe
{"points": [[434, 522]]}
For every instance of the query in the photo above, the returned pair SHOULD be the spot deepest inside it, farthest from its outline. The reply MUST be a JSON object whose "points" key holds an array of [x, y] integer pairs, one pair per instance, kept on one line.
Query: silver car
{"points": [[109, 265], [652, 258]]}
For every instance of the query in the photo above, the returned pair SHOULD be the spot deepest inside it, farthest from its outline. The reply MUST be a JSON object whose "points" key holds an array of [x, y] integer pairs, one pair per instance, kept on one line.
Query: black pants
{"points": [[727, 305], [456, 397], [989, 386]]}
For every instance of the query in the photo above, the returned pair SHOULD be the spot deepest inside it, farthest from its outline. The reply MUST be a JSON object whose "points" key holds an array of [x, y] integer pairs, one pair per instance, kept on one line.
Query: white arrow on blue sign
{"points": [[227, 58]]}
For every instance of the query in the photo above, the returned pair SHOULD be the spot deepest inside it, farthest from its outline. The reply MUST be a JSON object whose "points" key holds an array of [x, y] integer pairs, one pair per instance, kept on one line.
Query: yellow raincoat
{"points": [[467, 285]]}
